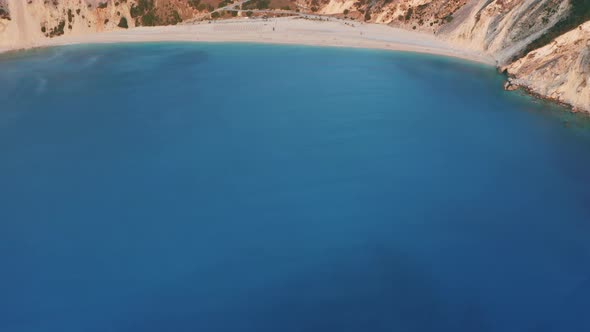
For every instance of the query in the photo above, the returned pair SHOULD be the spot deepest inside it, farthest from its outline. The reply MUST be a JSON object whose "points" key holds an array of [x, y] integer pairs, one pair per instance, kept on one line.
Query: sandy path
{"points": [[16, 7]]}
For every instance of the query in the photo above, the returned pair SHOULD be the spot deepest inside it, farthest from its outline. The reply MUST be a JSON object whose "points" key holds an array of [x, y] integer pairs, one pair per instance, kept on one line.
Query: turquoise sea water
{"points": [[195, 187]]}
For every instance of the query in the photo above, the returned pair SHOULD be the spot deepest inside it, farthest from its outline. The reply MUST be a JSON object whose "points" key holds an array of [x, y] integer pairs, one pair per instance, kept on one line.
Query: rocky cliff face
{"points": [[542, 44], [559, 71], [33, 20], [503, 28]]}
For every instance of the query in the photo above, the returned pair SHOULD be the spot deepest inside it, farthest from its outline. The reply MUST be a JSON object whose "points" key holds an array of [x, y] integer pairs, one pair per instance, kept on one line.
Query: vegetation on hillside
{"points": [[4, 14], [123, 23], [145, 14], [70, 16], [224, 3], [196, 4], [55, 31], [579, 13], [174, 18], [256, 4]]}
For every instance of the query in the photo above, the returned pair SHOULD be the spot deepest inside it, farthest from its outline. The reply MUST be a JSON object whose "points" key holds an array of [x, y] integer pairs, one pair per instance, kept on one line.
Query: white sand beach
{"points": [[287, 30]]}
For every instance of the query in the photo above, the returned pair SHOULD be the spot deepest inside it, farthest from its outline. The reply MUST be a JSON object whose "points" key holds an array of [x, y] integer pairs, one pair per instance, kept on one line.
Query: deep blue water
{"points": [[195, 187]]}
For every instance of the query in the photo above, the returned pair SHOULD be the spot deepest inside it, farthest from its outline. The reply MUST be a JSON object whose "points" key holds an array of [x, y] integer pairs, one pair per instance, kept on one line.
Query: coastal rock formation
{"points": [[559, 71], [542, 44]]}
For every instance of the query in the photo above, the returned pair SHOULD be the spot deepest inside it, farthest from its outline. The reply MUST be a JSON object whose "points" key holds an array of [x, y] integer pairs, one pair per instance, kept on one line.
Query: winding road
{"points": [[230, 7], [236, 7]]}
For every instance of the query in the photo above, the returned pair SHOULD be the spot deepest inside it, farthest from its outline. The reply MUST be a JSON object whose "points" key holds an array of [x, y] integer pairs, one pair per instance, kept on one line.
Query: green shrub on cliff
{"points": [[149, 19], [144, 13], [123, 23], [174, 18], [194, 3], [257, 4], [142, 7], [4, 14], [58, 30]]}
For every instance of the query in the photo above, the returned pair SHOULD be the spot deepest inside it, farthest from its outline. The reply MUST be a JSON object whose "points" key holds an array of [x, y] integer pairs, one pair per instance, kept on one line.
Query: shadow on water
{"points": [[386, 291], [571, 314]]}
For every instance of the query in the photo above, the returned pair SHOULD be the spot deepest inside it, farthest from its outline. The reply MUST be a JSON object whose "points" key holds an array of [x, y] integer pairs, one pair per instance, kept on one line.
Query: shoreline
{"points": [[525, 89], [330, 32], [282, 31]]}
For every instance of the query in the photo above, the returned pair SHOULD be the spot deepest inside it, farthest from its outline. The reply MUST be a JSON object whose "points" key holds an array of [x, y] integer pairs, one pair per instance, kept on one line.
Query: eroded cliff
{"points": [[559, 70], [504, 28], [34, 20]]}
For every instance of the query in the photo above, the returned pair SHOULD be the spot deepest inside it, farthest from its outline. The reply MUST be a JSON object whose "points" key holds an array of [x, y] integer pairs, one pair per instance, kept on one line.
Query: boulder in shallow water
{"points": [[509, 86]]}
